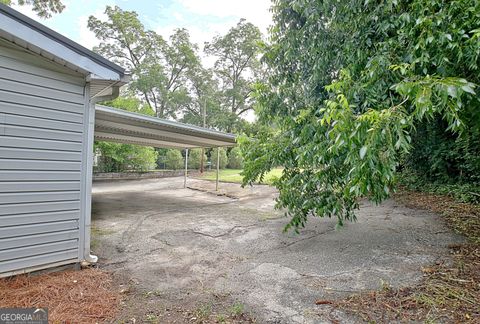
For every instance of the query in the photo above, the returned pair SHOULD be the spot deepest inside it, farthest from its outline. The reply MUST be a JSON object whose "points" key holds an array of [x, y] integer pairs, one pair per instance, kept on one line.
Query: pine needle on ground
{"points": [[85, 296]]}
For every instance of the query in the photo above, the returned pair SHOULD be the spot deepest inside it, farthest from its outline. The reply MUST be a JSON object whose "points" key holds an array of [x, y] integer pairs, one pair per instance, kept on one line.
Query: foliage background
{"points": [[355, 90]]}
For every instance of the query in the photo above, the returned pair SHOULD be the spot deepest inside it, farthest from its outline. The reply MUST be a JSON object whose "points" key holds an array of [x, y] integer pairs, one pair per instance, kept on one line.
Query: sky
{"points": [[203, 18]]}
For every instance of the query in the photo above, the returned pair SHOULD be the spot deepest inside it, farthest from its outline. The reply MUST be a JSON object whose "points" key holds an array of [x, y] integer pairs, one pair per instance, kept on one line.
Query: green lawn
{"points": [[233, 175]]}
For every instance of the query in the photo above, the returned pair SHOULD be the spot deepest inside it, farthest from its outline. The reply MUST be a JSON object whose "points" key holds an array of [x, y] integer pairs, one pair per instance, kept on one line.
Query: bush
{"points": [[174, 159], [114, 157], [463, 192], [195, 157], [223, 158], [235, 159]]}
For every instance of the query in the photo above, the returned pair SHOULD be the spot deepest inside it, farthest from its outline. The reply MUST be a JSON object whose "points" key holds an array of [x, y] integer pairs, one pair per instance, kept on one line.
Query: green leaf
{"points": [[363, 151], [468, 88]]}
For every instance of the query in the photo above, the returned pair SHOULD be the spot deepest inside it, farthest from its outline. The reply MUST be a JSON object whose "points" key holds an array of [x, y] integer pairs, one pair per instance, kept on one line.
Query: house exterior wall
{"points": [[44, 122]]}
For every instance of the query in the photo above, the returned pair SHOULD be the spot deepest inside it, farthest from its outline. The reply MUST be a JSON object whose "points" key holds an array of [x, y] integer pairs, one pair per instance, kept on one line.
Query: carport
{"points": [[49, 87], [114, 125], [120, 126]]}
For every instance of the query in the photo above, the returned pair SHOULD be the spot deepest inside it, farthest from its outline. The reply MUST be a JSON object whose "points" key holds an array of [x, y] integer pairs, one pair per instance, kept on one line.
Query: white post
{"points": [[186, 169], [218, 168]]}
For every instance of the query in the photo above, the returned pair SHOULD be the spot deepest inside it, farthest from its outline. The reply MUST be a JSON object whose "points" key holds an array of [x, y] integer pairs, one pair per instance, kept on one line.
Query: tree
{"points": [[237, 67], [130, 103], [115, 157], [173, 159], [160, 69], [195, 158], [223, 157], [348, 83], [206, 100], [235, 158], [43, 8]]}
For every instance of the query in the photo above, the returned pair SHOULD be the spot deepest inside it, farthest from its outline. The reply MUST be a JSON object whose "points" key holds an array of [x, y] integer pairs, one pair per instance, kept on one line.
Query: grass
{"points": [[96, 233], [233, 175], [463, 192], [237, 309], [203, 312]]}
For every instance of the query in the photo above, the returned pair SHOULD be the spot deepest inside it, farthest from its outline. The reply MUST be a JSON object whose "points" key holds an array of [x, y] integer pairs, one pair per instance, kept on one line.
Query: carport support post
{"points": [[218, 168], [186, 169]]}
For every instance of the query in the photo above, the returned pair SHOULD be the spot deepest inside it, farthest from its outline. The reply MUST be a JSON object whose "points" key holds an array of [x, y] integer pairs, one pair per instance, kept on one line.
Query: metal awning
{"points": [[115, 125]]}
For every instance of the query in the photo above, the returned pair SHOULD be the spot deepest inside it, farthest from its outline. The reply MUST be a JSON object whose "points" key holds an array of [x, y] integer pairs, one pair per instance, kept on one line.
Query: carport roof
{"points": [[115, 125]]}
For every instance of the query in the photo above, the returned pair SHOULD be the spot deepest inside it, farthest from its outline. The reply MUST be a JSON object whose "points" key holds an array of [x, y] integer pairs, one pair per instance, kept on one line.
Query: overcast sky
{"points": [[203, 18]]}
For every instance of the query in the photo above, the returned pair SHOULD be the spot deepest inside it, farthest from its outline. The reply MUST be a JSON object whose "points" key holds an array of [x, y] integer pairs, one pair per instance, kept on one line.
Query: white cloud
{"points": [[254, 11], [85, 36], [229, 11]]}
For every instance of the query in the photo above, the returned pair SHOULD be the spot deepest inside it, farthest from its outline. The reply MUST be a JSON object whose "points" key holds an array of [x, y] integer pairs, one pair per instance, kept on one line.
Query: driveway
{"points": [[191, 247]]}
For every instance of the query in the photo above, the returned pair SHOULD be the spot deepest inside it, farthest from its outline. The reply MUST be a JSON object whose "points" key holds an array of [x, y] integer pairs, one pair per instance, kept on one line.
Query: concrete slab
{"points": [[188, 244]]}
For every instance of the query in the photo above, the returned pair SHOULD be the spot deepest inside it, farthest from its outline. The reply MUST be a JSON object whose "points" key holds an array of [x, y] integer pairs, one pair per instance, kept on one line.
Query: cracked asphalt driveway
{"points": [[191, 244]]}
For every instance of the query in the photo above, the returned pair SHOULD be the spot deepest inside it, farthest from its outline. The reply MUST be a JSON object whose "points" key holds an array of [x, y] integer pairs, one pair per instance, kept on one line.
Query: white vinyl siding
{"points": [[42, 114]]}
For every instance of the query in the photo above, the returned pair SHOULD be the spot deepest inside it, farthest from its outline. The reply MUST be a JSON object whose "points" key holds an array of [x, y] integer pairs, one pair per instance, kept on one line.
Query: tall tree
{"points": [[348, 83], [43, 8], [237, 66], [206, 107], [160, 69]]}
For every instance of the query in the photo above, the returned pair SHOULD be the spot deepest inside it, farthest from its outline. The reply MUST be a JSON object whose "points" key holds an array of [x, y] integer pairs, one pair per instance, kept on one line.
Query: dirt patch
{"points": [[447, 294], [449, 291], [86, 296], [143, 306], [463, 218]]}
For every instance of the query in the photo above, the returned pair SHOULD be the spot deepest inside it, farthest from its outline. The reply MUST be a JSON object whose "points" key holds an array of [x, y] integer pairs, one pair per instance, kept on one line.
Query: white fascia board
{"points": [[174, 125], [19, 30]]}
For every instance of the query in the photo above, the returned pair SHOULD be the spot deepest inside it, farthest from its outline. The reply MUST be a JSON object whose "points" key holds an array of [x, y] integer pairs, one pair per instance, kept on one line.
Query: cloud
{"points": [[86, 37], [254, 11], [205, 19]]}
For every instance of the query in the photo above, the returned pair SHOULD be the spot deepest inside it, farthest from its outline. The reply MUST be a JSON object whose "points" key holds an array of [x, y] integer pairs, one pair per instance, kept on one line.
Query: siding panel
{"points": [[41, 149], [27, 197], [37, 250], [40, 112], [34, 218], [10, 73], [24, 230], [20, 131], [36, 143], [21, 241], [38, 260], [11, 175], [46, 103], [39, 91], [25, 186], [34, 154], [19, 164], [42, 123], [25, 208]]}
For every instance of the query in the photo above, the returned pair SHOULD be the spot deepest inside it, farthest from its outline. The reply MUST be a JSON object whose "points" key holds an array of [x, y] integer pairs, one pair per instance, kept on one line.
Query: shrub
{"points": [[174, 159], [223, 158], [235, 159], [114, 157], [195, 157]]}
